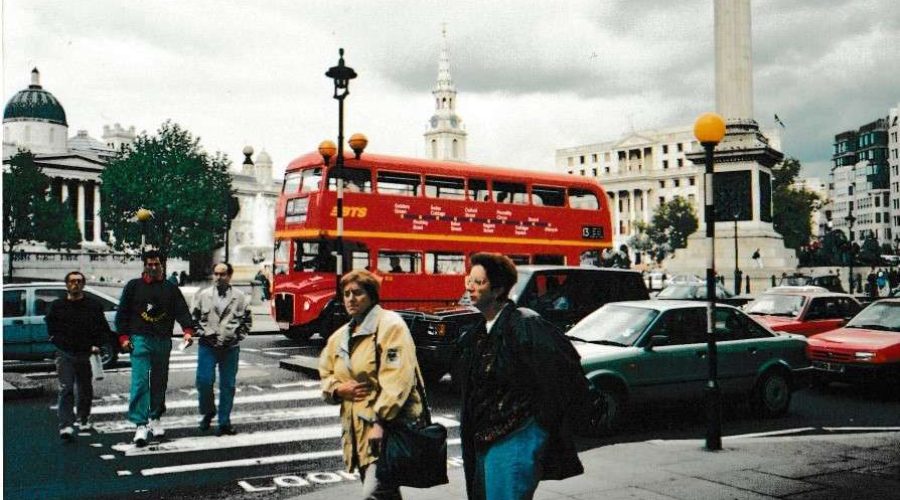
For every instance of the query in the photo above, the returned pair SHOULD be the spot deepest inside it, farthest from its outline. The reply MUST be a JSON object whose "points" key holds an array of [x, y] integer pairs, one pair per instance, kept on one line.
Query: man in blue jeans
{"points": [[223, 315], [147, 312]]}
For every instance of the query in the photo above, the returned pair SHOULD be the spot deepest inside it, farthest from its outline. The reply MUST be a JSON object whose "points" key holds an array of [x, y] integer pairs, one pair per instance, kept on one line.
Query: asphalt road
{"points": [[288, 442]]}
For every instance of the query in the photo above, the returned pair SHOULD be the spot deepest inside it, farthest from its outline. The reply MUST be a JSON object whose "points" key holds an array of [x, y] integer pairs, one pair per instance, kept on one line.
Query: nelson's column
{"points": [[742, 189]]}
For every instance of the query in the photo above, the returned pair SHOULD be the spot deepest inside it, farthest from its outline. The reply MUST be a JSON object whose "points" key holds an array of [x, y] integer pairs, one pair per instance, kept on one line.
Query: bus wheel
{"points": [[298, 333]]}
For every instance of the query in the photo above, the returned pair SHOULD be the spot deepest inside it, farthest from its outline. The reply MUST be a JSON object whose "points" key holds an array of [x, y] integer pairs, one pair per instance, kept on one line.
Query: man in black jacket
{"points": [[148, 309], [515, 391], [77, 328]]}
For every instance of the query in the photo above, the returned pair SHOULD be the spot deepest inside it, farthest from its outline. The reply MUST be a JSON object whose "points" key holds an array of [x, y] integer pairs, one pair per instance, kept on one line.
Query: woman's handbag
{"points": [[412, 453]]}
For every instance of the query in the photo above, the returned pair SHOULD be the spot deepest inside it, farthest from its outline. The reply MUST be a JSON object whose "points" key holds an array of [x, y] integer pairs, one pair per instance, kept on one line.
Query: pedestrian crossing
{"points": [[285, 429]]}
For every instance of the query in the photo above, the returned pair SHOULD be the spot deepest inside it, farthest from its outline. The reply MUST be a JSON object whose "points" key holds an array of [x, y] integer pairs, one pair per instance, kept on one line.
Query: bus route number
{"points": [[592, 232]]}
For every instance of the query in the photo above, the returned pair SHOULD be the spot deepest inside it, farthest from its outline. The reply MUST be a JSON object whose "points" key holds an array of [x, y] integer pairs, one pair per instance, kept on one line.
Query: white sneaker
{"points": [[156, 428], [67, 433], [140, 436], [85, 425]]}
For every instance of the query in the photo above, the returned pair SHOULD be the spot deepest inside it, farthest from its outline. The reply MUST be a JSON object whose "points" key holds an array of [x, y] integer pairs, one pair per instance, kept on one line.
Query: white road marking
{"points": [[252, 417], [299, 383], [206, 443], [248, 349], [275, 353], [189, 403], [108, 457], [123, 472], [249, 462]]}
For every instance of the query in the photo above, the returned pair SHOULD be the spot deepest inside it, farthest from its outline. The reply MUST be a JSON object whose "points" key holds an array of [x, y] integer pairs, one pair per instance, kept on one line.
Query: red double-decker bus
{"points": [[415, 223]]}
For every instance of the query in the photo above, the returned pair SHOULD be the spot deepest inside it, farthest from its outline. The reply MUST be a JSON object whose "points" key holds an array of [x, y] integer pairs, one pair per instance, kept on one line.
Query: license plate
{"points": [[283, 325], [829, 367]]}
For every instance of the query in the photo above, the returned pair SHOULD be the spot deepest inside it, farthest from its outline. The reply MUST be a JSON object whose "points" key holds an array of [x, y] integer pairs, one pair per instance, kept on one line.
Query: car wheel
{"points": [[109, 354], [607, 404], [772, 394]]}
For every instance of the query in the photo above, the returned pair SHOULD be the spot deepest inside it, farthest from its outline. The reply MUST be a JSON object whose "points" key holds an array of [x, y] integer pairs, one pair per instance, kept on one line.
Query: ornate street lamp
{"points": [[850, 220], [709, 129], [341, 75]]}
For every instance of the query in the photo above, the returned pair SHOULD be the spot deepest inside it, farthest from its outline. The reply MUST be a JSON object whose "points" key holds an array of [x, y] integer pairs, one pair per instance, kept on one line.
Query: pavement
{"points": [[834, 465]]}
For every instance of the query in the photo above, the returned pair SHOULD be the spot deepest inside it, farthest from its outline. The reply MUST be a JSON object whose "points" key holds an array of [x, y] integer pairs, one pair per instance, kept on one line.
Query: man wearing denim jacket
{"points": [[223, 314]]}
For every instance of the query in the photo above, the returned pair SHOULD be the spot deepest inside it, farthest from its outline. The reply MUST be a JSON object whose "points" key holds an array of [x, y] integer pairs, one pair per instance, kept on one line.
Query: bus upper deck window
{"points": [[584, 199], [510, 192], [548, 196], [356, 180], [444, 187], [292, 182], [478, 190], [398, 184], [311, 180]]}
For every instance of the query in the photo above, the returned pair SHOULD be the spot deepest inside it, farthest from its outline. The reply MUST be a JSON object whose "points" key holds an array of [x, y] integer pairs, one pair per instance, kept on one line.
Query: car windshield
{"points": [[777, 305], [679, 292], [614, 323], [878, 316]]}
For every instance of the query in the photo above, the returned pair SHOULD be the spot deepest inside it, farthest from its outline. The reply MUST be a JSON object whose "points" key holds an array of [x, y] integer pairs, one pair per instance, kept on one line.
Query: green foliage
{"points": [[870, 252], [28, 213], [674, 221], [186, 189], [792, 208]]}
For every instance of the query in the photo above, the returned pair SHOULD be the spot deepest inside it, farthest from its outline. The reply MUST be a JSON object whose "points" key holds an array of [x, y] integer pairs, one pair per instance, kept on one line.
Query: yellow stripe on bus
{"points": [[314, 233]]}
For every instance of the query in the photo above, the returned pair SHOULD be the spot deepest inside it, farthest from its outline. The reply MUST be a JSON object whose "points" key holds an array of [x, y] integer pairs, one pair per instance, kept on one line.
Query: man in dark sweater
{"points": [[77, 328], [148, 309]]}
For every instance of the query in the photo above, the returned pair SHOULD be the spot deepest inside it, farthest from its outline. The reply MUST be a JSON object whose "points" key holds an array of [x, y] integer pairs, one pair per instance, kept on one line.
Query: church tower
{"points": [[445, 137]]}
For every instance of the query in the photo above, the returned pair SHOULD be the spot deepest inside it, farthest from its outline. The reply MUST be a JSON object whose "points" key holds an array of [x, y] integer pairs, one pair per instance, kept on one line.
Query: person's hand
{"points": [[188, 340], [95, 349], [352, 391], [127, 346]]}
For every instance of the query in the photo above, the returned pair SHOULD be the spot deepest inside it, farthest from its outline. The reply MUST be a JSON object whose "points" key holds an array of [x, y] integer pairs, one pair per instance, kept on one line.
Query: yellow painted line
{"points": [[307, 233]]}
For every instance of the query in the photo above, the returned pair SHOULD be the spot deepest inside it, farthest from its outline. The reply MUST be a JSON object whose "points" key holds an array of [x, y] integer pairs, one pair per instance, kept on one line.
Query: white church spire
{"points": [[445, 138]]}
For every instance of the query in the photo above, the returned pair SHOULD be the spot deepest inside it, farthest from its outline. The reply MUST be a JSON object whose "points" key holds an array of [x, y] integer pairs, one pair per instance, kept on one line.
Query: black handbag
{"points": [[414, 453]]}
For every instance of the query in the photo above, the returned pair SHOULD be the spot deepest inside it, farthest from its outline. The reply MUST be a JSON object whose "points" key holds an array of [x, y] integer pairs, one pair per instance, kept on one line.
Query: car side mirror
{"points": [[656, 340]]}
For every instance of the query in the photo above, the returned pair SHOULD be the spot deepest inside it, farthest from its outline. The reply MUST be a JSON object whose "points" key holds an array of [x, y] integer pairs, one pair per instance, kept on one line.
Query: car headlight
{"points": [[437, 329], [306, 305], [865, 356]]}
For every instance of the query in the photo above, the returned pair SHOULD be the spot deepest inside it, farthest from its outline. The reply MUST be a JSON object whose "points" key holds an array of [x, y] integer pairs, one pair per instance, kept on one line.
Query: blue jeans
{"points": [[76, 389], [207, 359], [511, 468], [149, 377]]}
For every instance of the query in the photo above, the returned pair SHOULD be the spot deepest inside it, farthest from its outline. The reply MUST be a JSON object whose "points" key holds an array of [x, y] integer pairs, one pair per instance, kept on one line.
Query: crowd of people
{"points": [[514, 428]]}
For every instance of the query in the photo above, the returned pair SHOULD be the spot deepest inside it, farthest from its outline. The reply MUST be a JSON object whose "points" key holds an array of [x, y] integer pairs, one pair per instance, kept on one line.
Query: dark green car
{"points": [[655, 350]]}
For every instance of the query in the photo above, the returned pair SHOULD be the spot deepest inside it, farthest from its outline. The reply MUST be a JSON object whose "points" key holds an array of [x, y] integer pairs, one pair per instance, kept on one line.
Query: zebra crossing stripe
{"points": [[250, 462], [251, 417], [190, 403], [206, 443]]}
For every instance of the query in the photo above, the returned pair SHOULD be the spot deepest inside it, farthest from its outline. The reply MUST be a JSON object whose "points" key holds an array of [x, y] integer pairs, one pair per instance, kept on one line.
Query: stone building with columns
{"points": [[642, 170], [35, 120]]}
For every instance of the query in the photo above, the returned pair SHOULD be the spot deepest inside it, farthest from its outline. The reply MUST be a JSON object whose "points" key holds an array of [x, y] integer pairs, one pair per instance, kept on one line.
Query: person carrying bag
{"points": [[414, 453]]}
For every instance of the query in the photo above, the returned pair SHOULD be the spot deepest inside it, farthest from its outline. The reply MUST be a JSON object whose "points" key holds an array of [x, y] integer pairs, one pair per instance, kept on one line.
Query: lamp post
{"points": [[737, 269], [341, 75], [143, 216], [850, 220], [709, 129]]}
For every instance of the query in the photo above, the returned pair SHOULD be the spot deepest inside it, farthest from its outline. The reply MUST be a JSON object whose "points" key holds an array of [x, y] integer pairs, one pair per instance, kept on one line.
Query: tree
{"points": [[791, 208], [172, 176], [28, 214], [673, 222]]}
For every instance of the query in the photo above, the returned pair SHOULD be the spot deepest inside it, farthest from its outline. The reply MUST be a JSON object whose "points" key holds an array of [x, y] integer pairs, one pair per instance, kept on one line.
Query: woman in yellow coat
{"points": [[348, 371]]}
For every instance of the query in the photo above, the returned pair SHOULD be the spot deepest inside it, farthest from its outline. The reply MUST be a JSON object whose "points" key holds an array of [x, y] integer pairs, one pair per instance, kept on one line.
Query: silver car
{"points": [[25, 334]]}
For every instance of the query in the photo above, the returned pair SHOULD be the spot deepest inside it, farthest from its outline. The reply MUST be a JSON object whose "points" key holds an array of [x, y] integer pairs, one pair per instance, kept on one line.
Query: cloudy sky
{"points": [[533, 76]]}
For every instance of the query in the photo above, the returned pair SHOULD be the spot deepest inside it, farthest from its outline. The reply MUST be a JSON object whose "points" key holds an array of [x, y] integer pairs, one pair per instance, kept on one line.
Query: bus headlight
{"points": [[306, 305]]}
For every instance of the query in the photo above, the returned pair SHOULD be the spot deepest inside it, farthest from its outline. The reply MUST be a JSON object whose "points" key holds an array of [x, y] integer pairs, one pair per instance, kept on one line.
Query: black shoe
{"points": [[205, 421], [226, 430]]}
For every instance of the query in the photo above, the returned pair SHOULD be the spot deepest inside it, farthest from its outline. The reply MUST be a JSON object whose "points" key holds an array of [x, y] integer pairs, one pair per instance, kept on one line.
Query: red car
{"points": [[868, 348], [806, 310]]}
